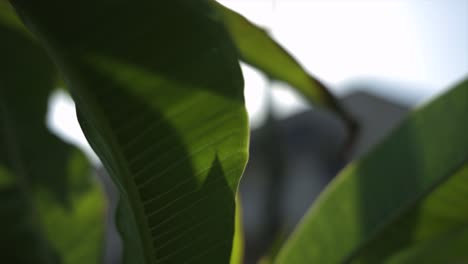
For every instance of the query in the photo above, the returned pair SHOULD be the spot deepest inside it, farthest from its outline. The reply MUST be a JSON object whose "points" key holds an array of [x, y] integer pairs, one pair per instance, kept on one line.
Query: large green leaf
{"points": [[257, 48], [410, 189], [159, 95], [44, 183]]}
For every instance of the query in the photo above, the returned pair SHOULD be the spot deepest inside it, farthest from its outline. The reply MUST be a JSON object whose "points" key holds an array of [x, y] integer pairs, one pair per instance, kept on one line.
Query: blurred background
{"points": [[381, 58]]}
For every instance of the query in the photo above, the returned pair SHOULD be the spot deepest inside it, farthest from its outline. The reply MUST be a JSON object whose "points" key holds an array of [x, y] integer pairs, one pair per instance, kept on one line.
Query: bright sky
{"points": [[423, 43]]}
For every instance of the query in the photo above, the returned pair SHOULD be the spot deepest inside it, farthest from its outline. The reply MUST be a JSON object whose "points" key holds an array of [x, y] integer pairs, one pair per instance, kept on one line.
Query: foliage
{"points": [[43, 188], [159, 96], [409, 189]]}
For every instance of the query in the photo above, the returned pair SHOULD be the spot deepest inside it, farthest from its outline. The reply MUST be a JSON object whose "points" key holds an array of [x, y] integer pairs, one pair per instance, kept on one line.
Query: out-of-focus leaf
{"points": [[258, 49], [272, 252], [237, 253], [159, 95], [410, 189], [19, 227], [21, 118], [449, 247], [8, 18], [26, 79], [33, 219], [76, 233], [39, 174]]}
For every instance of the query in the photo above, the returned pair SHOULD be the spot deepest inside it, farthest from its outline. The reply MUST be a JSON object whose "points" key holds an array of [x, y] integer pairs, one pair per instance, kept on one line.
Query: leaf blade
{"points": [[44, 179], [163, 108], [446, 244], [374, 192]]}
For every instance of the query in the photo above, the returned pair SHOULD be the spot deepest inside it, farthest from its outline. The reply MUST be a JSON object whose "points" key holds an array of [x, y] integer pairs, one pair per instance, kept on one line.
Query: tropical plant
{"points": [[159, 96]]}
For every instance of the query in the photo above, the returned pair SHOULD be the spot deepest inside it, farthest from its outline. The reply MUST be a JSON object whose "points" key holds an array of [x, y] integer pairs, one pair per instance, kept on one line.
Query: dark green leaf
{"points": [[410, 189], [33, 220], [19, 226], [26, 79], [8, 18], [449, 247], [44, 183], [76, 233], [159, 94]]}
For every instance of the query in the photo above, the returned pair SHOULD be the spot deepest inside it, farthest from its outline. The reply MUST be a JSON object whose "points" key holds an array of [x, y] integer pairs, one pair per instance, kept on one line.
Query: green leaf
{"points": [[258, 49], [19, 226], [76, 233], [449, 247], [44, 183], [26, 80], [409, 189], [17, 159], [51, 233], [237, 253], [159, 95], [8, 18]]}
